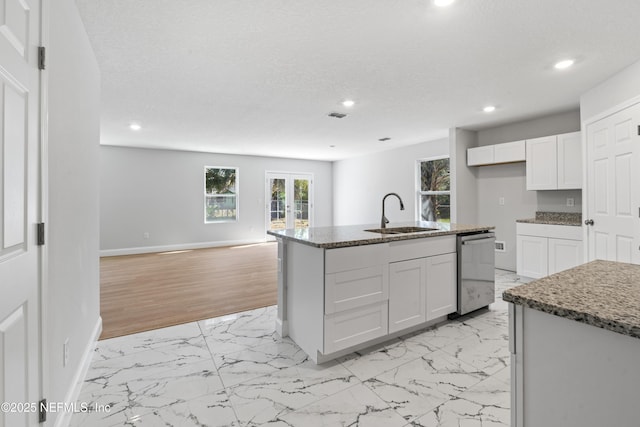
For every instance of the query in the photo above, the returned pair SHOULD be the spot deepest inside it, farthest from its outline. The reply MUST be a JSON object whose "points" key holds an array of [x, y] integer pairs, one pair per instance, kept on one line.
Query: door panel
{"points": [[20, 262], [613, 199], [14, 24]]}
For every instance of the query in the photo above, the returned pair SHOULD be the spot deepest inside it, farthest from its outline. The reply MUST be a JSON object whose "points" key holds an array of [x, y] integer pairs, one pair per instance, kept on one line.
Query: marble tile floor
{"points": [[235, 371]]}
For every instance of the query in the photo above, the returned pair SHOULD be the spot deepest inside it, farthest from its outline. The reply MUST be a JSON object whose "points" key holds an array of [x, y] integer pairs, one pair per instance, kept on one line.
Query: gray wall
{"points": [[71, 304], [360, 183], [509, 181], [464, 179], [621, 87], [160, 192]]}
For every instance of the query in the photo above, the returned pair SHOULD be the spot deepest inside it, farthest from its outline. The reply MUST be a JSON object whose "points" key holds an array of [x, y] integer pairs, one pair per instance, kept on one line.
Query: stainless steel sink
{"points": [[400, 230]]}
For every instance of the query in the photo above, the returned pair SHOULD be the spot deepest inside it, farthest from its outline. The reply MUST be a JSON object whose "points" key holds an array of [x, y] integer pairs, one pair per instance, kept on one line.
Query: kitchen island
{"points": [[574, 339], [341, 289]]}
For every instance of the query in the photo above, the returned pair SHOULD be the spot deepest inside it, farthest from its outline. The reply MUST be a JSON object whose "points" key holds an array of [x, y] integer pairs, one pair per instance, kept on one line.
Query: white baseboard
{"points": [[178, 247], [64, 417]]}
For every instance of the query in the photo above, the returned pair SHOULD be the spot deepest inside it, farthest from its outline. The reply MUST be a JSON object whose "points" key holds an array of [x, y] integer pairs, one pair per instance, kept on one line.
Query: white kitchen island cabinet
{"points": [[337, 295], [574, 339]]}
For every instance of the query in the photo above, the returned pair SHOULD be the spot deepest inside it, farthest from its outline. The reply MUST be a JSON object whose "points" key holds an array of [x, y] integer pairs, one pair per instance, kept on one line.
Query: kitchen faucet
{"points": [[384, 221]]}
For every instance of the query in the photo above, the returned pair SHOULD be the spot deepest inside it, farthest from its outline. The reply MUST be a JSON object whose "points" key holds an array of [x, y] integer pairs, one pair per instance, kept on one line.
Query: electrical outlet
{"points": [[65, 353], [501, 201], [145, 234], [570, 202]]}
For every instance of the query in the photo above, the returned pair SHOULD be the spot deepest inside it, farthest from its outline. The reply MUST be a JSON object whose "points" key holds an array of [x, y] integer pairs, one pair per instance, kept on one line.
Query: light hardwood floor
{"points": [[150, 291]]}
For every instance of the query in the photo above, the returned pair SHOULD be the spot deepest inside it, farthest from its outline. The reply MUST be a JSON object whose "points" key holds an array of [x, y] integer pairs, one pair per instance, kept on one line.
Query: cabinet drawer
{"points": [[420, 248], [355, 288], [353, 327], [352, 258]]}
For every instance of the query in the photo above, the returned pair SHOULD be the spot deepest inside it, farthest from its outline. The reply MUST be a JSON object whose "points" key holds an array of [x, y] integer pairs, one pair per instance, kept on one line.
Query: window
{"points": [[220, 194], [434, 190]]}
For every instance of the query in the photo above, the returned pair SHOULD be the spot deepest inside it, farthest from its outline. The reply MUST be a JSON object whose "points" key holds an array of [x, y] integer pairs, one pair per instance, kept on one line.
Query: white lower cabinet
{"points": [[564, 254], [421, 290], [532, 256], [407, 293], [442, 285], [544, 249]]}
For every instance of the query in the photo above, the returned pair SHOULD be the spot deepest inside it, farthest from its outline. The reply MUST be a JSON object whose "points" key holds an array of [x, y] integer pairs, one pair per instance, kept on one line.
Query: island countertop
{"points": [[605, 294], [355, 235]]}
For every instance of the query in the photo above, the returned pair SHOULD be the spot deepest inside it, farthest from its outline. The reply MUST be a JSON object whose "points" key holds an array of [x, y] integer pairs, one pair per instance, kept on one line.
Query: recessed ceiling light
{"points": [[348, 103], [564, 64], [443, 3], [489, 109], [135, 126]]}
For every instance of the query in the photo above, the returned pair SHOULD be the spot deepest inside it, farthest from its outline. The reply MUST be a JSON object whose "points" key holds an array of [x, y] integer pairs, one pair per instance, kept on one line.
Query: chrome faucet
{"points": [[384, 221]]}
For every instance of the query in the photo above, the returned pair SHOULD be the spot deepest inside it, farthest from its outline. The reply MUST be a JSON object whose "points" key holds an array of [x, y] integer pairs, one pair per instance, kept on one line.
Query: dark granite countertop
{"points": [[354, 235], [605, 294], [555, 218]]}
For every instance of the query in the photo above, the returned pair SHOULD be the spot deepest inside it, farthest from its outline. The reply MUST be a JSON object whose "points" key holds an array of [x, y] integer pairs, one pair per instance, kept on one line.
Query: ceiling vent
{"points": [[337, 115]]}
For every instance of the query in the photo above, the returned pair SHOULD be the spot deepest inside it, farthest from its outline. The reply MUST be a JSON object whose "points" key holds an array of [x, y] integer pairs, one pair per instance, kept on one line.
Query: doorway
{"points": [[289, 201]]}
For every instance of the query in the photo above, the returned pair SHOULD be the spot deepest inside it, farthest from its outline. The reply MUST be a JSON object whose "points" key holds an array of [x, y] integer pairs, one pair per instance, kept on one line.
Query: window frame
{"points": [[420, 192], [235, 195]]}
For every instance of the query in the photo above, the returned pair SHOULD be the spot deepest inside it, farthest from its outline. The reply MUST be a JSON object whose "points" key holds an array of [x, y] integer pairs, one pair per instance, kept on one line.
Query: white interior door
{"points": [[20, 257], [289, 201], [613, 174]]}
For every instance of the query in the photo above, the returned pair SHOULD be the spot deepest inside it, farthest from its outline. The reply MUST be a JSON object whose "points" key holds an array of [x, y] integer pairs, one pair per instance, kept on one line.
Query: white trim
{"points": [[64, 417], [178, 247]]}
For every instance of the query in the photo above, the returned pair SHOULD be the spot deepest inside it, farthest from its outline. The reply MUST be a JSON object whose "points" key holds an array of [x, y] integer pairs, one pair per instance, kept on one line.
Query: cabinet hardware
{"points": [[588, 222]]}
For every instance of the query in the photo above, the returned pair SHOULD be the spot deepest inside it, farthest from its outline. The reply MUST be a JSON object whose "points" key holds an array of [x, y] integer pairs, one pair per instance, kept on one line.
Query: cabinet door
{"points": [[442, 291], [407, 284], [531, 256], [509, 152], [569, 161], [480, 155], [542, 163], [564, 254]]}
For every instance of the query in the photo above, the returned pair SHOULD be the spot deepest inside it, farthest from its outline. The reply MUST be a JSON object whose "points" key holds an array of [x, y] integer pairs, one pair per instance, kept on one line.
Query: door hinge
{"points": [[42, 411], [40, 234], [41, 57]]}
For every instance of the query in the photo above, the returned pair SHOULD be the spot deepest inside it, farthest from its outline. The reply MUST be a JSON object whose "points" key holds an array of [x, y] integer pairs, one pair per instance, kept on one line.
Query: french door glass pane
{"points": [[301, 203], [278, 204]]}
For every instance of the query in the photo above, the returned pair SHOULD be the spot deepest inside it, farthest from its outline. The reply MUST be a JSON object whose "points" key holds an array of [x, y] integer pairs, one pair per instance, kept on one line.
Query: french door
{"points": [[20, 210], [289, 201]]}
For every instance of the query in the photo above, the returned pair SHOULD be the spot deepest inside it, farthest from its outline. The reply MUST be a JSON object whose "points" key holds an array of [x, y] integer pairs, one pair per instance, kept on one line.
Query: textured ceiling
{"points": [[260, 77]]}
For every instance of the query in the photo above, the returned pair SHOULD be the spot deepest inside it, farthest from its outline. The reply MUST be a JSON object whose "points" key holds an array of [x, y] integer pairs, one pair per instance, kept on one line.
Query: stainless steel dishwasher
{"points": [[476, 271]]}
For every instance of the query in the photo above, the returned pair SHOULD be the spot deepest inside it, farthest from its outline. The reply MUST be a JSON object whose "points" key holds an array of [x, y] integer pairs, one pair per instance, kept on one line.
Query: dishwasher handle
{"points": [[477, 241]]}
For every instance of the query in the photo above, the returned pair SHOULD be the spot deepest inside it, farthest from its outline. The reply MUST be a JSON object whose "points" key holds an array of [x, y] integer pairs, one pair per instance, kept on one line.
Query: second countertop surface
{"points": [[605, 294], [555, 218], [355, 235]]}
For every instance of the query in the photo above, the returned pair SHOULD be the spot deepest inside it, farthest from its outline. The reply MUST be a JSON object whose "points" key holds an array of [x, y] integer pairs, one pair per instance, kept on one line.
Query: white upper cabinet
{"points": [[542, 163], [509, 152], [569, 161], [495, 154], [480, 155], [554, 162]]}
